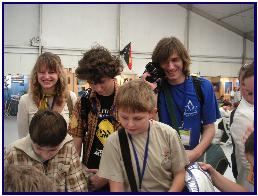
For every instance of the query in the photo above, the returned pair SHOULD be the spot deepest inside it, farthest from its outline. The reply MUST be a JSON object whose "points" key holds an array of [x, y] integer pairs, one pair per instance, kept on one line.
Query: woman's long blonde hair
{"points": [[53, 63]]}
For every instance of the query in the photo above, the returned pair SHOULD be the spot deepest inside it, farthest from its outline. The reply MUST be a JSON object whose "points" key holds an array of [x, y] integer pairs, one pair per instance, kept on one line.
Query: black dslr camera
{"points": [[155, 72]]}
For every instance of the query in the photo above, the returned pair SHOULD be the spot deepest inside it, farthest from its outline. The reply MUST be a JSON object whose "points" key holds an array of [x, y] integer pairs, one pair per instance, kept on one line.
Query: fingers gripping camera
{"points": [[155, 72]]}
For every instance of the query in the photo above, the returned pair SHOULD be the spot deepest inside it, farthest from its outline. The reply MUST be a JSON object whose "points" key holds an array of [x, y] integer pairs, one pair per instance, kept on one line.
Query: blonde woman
{"points": [[48, 89]]}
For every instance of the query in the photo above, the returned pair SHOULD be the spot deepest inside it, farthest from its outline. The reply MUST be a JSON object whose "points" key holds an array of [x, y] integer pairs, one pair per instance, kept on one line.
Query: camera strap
{"points": [[171, 105], [125, 150]]}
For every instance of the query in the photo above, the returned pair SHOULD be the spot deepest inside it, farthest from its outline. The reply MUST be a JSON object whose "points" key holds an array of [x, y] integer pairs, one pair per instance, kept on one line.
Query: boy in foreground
{"points": [[155, 148]]}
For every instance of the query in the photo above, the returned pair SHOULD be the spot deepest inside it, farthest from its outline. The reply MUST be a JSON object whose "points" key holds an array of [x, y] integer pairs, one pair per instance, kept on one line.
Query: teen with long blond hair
{"points": [[48, 89]]}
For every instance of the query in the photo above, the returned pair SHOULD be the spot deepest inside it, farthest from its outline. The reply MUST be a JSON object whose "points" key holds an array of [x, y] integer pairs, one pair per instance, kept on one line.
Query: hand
{"points": [[248, 132], [152, 85], [207, 167], [94, 181]]}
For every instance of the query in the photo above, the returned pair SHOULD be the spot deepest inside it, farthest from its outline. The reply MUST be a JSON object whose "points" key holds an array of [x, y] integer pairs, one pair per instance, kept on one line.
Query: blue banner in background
{"points": [[14, 87]]}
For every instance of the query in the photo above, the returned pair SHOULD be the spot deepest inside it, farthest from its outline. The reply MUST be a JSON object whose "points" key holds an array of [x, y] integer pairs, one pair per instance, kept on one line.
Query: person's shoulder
{"points": [[163, 128], [113, 136], [205, 82], [242, 117], [19, 142], [68, 141], [202, 81], [244, 105], [14, 147], [112, 142], [26, 97], [8, 149], [206, 85], [67, 148], [243, 109]]}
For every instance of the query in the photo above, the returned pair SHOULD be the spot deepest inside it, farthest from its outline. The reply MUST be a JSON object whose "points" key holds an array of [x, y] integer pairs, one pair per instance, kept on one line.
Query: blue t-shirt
{"points": [[190, 114]]}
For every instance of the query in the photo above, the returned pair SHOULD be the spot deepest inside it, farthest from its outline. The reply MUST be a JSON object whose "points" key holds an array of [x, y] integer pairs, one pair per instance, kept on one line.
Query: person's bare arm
{"points": [[178, 181], [116, 186], [221, 182], [206, 139]]}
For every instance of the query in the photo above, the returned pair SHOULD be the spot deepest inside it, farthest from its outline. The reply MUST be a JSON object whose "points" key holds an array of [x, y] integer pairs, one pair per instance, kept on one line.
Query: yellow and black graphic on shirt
{"points": [[105, 128]]}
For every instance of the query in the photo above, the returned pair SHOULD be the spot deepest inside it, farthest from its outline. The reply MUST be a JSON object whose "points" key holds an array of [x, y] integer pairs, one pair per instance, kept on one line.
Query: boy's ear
{"points": [[153, 114]]}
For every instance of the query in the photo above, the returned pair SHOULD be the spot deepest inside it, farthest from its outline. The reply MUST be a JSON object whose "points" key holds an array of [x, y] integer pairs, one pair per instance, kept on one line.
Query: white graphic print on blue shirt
{"points": [[189, 113]]}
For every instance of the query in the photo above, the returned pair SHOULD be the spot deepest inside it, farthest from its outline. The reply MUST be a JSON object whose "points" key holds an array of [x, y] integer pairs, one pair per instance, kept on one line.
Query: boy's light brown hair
{"points": [[136, 96], [26, 178], [246, 70]]}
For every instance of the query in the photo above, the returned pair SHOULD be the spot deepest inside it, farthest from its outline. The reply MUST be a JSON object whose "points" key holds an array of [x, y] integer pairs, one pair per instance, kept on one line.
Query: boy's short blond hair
{"points": [[26, 178], [136, 96]]}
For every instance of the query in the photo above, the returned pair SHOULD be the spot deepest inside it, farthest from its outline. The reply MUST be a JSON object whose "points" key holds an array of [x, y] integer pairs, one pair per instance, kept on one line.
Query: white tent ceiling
{"points": [[236, 17]]}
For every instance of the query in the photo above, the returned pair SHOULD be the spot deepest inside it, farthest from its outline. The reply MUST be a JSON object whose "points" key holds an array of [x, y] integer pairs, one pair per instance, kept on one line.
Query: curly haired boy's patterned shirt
{"points": [[64, 169], [78, 126]]}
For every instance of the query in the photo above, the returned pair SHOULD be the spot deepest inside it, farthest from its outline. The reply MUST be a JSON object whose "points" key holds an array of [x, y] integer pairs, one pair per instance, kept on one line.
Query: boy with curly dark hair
{"points": [[95, 116]]}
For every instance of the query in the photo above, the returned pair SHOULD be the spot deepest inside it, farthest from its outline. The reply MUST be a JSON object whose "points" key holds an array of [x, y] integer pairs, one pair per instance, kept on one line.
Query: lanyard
{"points": [[53, 102], [44, 102], [141, 174]]}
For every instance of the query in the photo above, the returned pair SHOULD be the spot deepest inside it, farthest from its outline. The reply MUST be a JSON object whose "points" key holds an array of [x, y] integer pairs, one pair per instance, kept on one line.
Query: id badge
{"points": [[185, 135]]}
